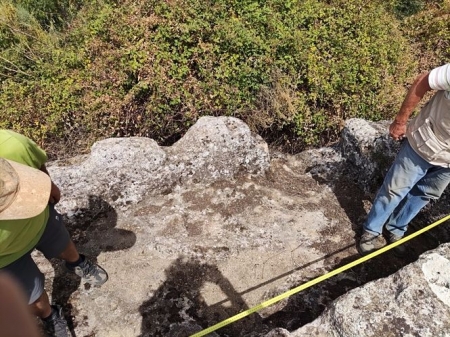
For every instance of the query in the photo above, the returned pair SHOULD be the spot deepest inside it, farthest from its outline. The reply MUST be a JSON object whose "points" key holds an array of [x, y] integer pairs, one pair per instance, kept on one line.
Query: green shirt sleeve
{"points": [[21, 149]]}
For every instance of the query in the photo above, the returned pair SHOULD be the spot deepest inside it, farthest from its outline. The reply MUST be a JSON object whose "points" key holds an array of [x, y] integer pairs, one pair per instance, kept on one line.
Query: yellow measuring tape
{"points": [[315, 281]]}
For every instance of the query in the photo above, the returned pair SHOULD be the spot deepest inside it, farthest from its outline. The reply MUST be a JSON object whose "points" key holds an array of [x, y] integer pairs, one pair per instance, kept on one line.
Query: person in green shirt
{"points": [[28, 221]]}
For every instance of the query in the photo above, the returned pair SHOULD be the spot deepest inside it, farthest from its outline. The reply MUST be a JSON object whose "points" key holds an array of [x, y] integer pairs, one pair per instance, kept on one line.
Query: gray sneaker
{"points": [[90, 272], [56, 325], [370, 243], [399, 250]]}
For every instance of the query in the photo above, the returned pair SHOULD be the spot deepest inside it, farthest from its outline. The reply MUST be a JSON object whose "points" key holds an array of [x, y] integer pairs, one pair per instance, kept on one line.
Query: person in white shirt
{"points": [[421, 170]]}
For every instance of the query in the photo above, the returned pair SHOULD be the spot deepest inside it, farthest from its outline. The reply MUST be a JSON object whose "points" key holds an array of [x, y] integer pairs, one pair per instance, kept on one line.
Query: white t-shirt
{"points": [[439, 79]]}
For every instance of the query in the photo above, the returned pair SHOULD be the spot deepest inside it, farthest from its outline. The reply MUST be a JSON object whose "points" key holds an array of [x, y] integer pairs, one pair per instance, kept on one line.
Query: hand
{"points": [[397, 130], [55, 194]]}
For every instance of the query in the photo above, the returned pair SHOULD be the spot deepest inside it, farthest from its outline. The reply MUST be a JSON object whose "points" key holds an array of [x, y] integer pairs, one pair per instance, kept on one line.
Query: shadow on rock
{"points": [[178, 309], [93, 231], [304, 307], [350, 196]]}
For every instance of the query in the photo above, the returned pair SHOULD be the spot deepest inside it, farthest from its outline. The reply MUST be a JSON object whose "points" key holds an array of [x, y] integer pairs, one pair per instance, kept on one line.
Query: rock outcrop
{"points": [[415, 301], [197, 232], [123, 170]]}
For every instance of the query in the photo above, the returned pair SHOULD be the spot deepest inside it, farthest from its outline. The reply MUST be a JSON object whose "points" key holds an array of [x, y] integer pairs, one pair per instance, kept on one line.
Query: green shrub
{"points": [[403, 8], [429, 30], [38, 94], [23, 43], [292, 70], [51, 13]]}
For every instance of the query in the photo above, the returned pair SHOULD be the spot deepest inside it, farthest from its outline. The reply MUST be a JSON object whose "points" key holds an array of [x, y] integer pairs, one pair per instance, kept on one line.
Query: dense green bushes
{"points": [[36, 90], [429, 33], [51, 14], [292, 70]]}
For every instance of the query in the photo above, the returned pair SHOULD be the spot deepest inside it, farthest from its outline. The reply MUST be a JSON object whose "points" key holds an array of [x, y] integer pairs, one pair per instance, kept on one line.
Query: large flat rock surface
{"points": [[185, 254]]}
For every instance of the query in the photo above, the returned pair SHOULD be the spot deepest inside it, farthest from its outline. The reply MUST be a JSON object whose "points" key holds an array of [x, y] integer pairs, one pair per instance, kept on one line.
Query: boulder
{"points": [[369, 151], [123, 170], [415, 301]]}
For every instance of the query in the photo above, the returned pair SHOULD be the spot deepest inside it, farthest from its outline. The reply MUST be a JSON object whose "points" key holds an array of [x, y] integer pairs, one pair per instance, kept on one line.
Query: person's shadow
{"points": [[93, 231], [178, 309]]}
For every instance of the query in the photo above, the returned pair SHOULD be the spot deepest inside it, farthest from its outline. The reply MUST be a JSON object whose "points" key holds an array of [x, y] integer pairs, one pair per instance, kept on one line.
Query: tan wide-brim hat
{"points": [[24, 191]]}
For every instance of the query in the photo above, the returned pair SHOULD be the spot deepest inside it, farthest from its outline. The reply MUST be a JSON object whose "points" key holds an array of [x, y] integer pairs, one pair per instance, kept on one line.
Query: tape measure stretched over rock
{"points": [[319, 279]]}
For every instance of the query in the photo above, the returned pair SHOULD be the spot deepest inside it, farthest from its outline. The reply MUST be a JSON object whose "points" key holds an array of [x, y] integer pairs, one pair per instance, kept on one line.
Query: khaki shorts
{"points": [[52, 243]]}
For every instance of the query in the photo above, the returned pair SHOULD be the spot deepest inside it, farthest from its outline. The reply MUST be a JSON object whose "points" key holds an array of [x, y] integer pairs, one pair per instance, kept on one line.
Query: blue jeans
{"points": [[409, 185]]}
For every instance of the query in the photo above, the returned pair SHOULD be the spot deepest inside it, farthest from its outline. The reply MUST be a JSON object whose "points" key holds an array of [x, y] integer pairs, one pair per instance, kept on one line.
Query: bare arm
{"points": [[15, 318], [415, 93], [55, 194]]}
